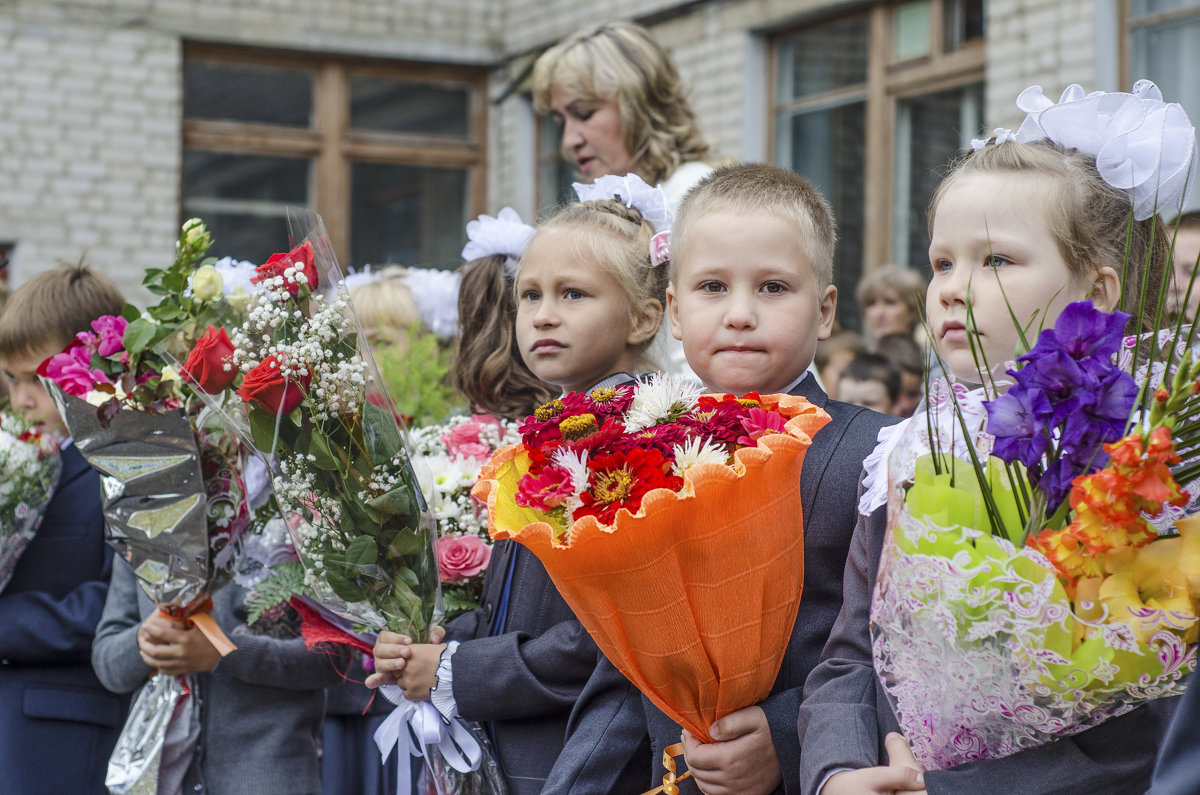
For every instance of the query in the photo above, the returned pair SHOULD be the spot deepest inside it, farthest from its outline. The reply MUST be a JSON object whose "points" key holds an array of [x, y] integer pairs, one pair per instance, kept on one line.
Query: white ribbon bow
{"points": [[505, 233], [416, 727], [632, 191]]}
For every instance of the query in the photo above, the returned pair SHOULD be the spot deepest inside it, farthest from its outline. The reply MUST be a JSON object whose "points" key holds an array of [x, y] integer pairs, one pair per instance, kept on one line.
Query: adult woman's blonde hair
{"points": [[623, 61], [1091, 220], [907, 284]]}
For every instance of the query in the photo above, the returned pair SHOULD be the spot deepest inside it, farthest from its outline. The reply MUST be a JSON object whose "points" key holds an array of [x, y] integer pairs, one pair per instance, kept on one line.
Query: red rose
{"points": [[300, 259], [462, 557], [210, 366], [266, 386]]}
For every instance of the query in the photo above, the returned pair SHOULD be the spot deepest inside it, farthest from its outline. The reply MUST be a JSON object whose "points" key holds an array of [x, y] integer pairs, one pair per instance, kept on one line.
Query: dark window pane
{"points": [[1142, 7], [931, 131], [555, 175], [407, 215], [235, 92], [243, 199], [963, 22], [823, 58], [377, 103], [827, 146]]}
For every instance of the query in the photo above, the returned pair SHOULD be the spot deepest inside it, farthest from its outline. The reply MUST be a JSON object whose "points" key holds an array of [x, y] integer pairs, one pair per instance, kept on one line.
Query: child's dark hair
{"points": [[902, 351], [488, 369], [1091, 220], [54, 306], [873, 367]]}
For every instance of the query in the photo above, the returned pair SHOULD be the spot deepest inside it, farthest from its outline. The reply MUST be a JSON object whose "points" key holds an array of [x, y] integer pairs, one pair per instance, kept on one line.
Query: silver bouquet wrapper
{"points": [[134, 765], [154, 497]]}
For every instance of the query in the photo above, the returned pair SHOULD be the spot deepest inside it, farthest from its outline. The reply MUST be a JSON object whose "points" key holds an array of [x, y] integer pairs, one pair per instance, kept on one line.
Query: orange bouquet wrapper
{"points": [[694, 596]]}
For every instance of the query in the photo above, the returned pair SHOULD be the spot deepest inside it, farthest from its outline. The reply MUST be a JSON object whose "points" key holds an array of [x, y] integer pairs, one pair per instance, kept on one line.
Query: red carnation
{"points": [[300, 258], [267, 387], [210, 365]]}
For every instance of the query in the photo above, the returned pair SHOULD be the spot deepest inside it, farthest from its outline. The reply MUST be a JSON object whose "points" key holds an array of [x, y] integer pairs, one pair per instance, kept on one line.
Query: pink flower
{"points": [[463, 440], [89, 340], [111, 329], [74, 378], [545, 491], [758, 423], [462, 557]]}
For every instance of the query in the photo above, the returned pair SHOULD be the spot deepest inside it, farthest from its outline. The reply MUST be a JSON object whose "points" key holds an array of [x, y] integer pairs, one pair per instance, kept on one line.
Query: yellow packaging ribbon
{"points": [[670, 778]]}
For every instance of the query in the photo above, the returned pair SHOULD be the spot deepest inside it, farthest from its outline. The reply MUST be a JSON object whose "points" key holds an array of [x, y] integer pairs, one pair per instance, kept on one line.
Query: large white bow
{"points": [[415, 728], [1141, 144], [630, 189], [503, 234]]}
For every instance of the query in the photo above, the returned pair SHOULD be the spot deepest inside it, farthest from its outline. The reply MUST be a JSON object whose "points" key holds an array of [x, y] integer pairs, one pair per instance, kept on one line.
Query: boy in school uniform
{"points": [[751, 294], [58, 724]]}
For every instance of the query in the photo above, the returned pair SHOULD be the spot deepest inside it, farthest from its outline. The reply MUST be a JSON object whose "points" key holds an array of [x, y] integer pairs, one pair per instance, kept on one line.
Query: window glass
{"points": [[404, 106], [962, 22], [408, 215], [823, 58], [911, 24], [236, 92]]}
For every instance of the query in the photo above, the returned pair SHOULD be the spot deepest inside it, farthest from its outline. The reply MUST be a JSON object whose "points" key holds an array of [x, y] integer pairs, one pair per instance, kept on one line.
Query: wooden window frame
{"points": [[1129, 23], [888, 81], [330, 144]]}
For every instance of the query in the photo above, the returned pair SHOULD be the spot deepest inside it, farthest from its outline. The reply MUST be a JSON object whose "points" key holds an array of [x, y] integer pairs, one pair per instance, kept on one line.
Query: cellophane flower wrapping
{"points": [[448, 457], [298, 377], [29, 470], [994, 632], [649, 508]]}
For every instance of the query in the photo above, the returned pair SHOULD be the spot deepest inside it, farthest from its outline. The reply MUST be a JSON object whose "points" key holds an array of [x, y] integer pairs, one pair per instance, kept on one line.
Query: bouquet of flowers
{"points": [[175, 503], [648, 505], [448, 458], [29, 469], [1025, 591]]}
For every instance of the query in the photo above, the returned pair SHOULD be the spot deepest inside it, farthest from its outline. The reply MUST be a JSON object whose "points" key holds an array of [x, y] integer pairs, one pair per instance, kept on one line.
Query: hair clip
{"points": [[660, 249]]}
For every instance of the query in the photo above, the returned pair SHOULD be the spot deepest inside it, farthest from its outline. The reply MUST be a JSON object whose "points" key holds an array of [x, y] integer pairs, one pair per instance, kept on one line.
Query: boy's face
{"points": [[869, 394], [27, 394], [746, 303]]}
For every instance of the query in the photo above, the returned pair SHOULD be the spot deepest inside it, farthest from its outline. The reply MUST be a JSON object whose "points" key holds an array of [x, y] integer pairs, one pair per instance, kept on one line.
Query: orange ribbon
{"points": [[209, 628], [670, 779]]}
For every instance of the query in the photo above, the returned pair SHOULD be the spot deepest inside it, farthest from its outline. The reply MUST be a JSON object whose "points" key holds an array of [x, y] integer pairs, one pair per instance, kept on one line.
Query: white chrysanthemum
{"points": [[575, 463], [698, 450], [660, 397], [448, 474]]}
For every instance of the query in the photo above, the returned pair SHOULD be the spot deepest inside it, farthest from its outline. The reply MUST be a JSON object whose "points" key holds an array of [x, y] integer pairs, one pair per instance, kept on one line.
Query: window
{"points": [[391, 155], [871, 108], [1162, 47], [555, 174], [6, 250]]}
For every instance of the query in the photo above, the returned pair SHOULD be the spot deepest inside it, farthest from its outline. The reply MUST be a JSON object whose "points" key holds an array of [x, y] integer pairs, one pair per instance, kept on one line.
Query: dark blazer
{"points": [[846, 715], [523, 683], [58, 724], [612, 724], [1177, 769]]}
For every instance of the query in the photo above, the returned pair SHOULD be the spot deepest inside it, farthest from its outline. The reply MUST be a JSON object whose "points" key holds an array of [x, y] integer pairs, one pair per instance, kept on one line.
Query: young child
{"points": [[906, 355], [588, 305], [1032, 226], [58, 724], [871, 381], [1186, 255], [751, 294], [833, 354]]}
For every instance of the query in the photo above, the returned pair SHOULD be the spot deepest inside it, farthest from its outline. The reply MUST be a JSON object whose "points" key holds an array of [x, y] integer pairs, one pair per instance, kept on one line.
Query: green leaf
{"points": [[262, 428], [397, 502], [286, 580], [139, 334], [362, 552], [405, 543], [380, 434], [319, 449]]}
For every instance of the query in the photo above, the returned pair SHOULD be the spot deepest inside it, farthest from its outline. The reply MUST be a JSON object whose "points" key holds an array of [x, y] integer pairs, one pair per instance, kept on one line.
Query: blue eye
{"points": [[530, 295], [996, 261], [941, 266], [573, 295]]}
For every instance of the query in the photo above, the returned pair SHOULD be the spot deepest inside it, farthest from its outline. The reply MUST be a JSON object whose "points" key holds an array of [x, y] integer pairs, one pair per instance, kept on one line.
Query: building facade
{"points": [[399, 120]]}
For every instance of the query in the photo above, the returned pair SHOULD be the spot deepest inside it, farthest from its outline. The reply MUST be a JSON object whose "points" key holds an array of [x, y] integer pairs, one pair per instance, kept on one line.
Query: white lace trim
{"points": [[442, 694]]}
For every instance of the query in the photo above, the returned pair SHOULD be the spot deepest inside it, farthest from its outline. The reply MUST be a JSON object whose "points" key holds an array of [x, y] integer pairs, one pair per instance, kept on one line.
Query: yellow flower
{"points": [[207, 283]]}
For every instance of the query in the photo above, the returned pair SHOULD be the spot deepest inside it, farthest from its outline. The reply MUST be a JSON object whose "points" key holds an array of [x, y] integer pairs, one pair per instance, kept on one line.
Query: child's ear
{"points": [[827, 308], [647, 323], [1106, 289], [673, 313]]}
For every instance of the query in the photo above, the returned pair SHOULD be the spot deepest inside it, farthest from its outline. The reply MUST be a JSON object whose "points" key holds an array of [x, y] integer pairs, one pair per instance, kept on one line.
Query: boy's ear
{"points": [[827, 308], [1106, 289], [673, 313], [646, 324]]}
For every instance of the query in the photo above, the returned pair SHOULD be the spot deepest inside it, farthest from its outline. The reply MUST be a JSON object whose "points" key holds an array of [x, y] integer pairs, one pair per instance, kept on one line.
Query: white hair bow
{"points": [[631, 190], [504, 234], [1141, 144]]}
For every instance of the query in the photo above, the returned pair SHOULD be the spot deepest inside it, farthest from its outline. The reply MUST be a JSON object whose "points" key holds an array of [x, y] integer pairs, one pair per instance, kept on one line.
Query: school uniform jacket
{"points": [[609, 729], [846, 715], [58, 724]]}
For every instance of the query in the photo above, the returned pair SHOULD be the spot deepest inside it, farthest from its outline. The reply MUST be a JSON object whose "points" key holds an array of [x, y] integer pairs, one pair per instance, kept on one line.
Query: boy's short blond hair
{"points": [[744, 188], [54, 306]]}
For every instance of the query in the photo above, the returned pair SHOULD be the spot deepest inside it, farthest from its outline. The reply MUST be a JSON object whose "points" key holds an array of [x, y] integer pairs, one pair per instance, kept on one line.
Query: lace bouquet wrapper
{"points": [[29, 470], [649, 506], [1025, 591]]}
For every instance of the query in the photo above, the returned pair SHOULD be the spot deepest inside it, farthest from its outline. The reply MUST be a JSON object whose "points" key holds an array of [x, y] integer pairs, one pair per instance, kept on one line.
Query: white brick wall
{"points": [[90, 136]]}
